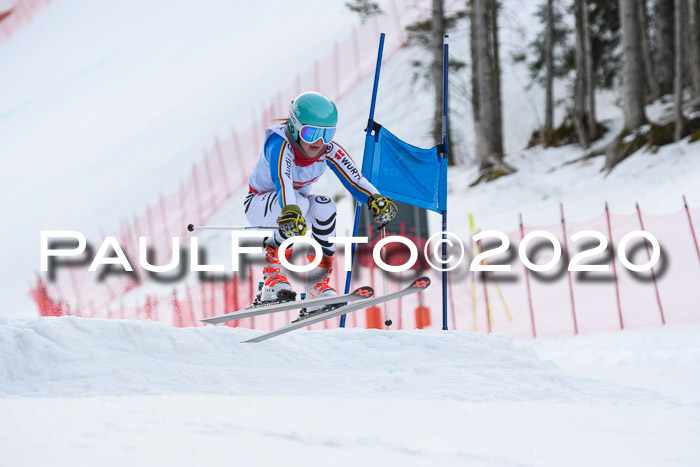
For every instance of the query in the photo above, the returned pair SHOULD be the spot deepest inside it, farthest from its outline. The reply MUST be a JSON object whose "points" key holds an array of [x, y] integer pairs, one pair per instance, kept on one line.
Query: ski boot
{"points": [[275, 287], [317, 286]]}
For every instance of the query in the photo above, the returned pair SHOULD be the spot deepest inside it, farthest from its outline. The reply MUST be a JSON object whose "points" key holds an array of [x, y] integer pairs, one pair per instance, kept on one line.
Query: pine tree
{"points": [[428, 34], [679, 68], [604, 28], [364, 8], [591, 123], [486, 89], [664, 44], [493, 8], [633, 72], [474, 73], [438, 33], [590, 55], [580, 114], [694, 45], [652, 85], [549, 74]]}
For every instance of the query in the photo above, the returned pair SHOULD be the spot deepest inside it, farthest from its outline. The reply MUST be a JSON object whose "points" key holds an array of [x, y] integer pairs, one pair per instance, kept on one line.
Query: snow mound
{"points": [[68, 356]]}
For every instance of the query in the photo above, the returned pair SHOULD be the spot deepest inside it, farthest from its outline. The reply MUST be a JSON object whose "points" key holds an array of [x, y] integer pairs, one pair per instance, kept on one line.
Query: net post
{"points": [[527, 282], [571, 285], [617, 286], [653, 274]]}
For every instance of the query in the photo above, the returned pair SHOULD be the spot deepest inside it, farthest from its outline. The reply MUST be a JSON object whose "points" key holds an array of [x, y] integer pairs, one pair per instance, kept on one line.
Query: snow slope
{"points": [[41, 358], [126, 112], [104, 105], [663, 359], [136, 99], [113, 392]]}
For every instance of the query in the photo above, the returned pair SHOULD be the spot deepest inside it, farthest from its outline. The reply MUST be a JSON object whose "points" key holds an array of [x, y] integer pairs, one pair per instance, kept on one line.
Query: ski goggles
{"points": [[311, 134]]}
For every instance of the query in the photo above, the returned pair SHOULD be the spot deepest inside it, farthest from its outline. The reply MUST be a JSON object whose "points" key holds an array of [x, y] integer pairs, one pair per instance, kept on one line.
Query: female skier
{"points": [[294, 156]]}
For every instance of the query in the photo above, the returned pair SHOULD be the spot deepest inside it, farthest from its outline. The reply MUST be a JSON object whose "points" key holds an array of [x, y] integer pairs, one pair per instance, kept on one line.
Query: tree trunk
{"points": [[549, 76], [685, 39], [475, 82], [652, 86], [495, 46], [591, 123], [438, 31], [663, 19], [484, 77], [694, 45], [489, 146], [579, 115], [633, 68], [678, 79]]}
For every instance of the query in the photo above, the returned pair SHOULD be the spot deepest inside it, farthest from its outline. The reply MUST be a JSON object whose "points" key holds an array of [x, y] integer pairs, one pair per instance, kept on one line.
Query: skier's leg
{"points": [[322, 217], [264, 209]]}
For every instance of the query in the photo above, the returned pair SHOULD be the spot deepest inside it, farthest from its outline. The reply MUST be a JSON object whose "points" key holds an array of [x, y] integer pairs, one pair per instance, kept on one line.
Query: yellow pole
{"points": [[472, 232], [503, 300]]}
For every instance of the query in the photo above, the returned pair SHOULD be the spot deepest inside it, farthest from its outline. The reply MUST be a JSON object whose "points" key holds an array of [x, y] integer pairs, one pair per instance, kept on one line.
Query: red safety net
{"points": [[520, 302]]}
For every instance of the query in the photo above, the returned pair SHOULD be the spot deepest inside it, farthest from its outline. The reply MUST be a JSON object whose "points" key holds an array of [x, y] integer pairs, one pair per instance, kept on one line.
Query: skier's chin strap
{"points": [[308, 160]]}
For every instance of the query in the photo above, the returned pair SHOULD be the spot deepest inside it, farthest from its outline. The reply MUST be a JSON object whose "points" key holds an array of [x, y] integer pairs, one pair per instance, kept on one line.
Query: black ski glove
{"points": [[291, 223], [383, 209]]}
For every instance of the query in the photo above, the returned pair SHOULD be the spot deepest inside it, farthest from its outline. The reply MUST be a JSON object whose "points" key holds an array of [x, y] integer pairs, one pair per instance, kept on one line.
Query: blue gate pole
{"points": [[445, 58], [368, 130]]}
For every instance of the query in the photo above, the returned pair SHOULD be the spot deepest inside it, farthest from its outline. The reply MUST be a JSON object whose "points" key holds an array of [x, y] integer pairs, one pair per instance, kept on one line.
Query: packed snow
{"points": [[90, 90], [141, 106], [82, 357], [84, 391]]}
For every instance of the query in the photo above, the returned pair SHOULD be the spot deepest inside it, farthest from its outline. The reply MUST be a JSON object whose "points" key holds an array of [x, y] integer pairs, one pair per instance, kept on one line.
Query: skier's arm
{"points": [[349, 174], [280, 158]]}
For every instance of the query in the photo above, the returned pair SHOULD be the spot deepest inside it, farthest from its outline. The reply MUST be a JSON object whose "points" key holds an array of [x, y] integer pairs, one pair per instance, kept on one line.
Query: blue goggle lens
{"points": [[311, 134]]}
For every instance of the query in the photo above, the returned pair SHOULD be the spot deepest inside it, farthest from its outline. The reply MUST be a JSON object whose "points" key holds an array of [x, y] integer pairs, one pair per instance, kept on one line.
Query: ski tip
{"points": [[253, 340], [421, 283], [364, 292]]}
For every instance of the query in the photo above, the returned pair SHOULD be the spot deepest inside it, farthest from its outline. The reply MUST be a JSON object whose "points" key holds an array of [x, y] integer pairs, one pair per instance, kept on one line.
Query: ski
{"points": [[357, 294], [416, 286]]}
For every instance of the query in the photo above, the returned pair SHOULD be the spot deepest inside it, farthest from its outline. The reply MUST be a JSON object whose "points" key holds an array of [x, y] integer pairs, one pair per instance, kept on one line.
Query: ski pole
{"points": [[387, 320], [192, 227]]}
